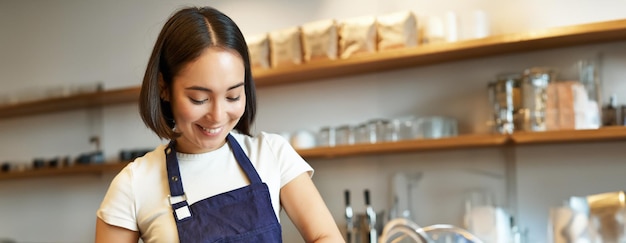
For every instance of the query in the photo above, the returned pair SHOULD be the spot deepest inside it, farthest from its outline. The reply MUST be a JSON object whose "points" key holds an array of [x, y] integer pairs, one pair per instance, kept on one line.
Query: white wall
{"points": [[46, 43]]}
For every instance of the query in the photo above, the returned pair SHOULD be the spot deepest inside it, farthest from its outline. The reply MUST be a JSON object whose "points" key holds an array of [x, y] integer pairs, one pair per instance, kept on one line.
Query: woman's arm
{"points": [[307, 210], [108, 233]]}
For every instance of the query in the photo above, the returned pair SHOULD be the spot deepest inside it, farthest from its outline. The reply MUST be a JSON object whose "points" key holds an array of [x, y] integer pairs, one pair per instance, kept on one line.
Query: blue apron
{"points": [[241, 215]]}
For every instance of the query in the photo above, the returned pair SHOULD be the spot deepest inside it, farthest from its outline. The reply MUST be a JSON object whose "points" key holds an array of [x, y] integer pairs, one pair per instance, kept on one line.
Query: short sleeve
{"points": [[118, 206], [291, 163]]}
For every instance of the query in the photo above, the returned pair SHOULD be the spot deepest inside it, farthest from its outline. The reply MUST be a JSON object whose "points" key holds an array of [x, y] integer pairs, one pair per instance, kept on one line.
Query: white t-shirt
{"points": [[137, 198]]}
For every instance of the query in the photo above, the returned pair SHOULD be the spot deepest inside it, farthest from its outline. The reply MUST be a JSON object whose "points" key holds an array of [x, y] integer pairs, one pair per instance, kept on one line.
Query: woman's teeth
{"points": [[214, 130]]}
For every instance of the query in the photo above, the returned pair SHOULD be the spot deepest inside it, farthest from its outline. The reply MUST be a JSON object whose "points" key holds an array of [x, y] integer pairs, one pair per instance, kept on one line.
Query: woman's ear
{"points": [[164, 90]]}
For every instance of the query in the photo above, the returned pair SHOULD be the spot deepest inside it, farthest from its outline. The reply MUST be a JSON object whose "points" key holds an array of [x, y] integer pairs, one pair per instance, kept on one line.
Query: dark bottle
{"points": [[610, 114], [622, 120], [349, 214]]}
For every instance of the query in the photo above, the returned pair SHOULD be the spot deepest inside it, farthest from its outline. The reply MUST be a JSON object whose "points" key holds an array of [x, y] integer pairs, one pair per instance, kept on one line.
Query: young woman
{"points": [[214, 181]]}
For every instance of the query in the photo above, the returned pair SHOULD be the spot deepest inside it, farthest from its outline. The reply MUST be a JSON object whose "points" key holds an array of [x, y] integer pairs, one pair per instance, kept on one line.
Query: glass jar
{"points": [[344, 135], [436, 127], [373, 131], [361, 134], [534, 97], [505, 97], [376, 130], [326, 137], [589, 77], [400, 129]]}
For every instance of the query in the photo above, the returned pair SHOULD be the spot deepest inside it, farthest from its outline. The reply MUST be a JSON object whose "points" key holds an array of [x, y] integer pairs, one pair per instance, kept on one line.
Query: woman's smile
{"points": [[208, 99], [210, 131]]}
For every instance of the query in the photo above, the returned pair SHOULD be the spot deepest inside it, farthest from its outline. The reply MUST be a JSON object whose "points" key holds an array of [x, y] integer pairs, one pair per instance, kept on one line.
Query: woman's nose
{"points": [[216, 111]]}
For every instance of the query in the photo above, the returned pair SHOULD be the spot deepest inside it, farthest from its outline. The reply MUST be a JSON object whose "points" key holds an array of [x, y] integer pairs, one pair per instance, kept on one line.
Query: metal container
{"points": [[608, 211]]}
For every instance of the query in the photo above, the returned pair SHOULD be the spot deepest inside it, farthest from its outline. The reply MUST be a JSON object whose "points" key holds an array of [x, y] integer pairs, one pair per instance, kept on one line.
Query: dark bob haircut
{"points": [[185, 35]]}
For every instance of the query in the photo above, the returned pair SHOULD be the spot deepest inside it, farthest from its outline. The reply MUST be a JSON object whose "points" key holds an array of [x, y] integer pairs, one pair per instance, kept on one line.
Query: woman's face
{"points": [[208, 98]]}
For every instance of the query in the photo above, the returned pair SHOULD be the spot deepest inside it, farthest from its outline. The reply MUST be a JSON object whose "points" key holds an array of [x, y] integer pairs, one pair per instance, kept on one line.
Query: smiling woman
{"points": [[198, 93], [208, 99]]}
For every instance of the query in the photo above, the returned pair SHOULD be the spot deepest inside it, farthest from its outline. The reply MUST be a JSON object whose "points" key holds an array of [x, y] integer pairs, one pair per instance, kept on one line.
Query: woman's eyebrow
{"points": [[199, 88], [236, 86]]}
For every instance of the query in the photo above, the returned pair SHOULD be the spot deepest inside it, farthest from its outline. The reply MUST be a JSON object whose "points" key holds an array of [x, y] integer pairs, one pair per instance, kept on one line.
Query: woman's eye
{"points": [[198, 102], [233, 98]]}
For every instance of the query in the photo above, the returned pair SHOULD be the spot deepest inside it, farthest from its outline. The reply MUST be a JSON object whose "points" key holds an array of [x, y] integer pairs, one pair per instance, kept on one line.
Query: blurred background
{"points": [[106, 44]]}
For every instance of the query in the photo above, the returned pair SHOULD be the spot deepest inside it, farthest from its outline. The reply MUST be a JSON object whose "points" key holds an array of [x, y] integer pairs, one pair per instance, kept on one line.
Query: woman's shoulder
{"points": [[261, 139], [150, 161]]}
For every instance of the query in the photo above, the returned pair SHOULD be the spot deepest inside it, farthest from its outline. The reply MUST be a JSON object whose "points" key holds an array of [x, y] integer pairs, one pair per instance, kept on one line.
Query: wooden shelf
{"points": [[463, 141], [446, 52], [470, 141], [70, 102], [80, 169], [570, 136], [366, 63], [459, 142]]}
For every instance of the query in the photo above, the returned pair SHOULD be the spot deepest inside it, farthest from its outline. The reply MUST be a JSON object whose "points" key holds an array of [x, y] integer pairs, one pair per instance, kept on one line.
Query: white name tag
{"points": [[183, 212]]}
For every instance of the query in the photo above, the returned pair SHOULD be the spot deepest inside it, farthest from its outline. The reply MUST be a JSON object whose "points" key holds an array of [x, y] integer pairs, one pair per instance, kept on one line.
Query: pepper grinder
{"points": [[371, 218], [349, 218]]}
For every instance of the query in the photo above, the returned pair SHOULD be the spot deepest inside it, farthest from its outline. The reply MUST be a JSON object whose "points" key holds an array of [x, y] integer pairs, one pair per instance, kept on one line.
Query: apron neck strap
{"points": [[243, 160], [173, 172]]}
